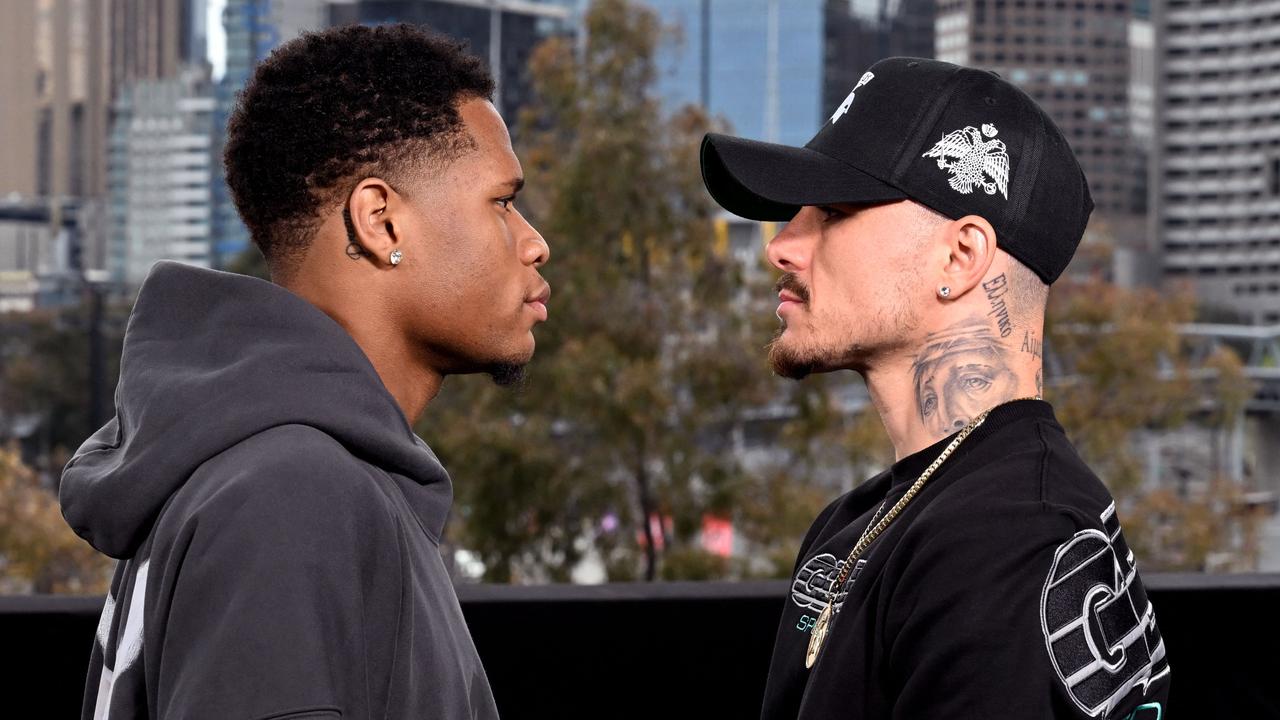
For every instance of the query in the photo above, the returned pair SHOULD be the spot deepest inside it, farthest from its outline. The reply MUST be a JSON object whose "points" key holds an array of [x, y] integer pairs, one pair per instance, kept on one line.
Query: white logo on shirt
{"points": [[1098, 625], [811, 589]]}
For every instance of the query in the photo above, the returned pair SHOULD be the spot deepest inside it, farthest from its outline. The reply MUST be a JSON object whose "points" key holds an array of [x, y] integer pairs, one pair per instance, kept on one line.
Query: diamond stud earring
{"points": [[944, 291], [396, 256]]}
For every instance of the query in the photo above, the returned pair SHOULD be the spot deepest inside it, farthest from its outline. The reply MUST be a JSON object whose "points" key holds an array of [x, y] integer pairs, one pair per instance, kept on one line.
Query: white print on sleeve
{"points": [[1099, 627], [129, 645]]}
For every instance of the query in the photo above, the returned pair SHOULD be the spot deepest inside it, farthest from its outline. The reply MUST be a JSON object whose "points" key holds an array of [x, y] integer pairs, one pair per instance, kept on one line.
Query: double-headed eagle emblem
{"points": [[974, 160]]}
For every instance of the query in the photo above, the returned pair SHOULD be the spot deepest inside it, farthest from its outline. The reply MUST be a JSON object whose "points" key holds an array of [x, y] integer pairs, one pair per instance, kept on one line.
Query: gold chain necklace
{"points": [[873, 530]]}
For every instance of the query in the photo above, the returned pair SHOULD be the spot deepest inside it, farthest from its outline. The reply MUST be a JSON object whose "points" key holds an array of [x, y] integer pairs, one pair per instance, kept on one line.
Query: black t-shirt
{"points": [[1005, 589]]}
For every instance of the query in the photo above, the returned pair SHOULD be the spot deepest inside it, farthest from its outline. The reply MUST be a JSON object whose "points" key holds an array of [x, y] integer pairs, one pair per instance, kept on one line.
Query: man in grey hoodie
{"points": [[276, 519]]}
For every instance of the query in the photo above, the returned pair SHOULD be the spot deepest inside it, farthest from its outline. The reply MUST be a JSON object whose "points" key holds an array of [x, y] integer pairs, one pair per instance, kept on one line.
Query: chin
{"points": [[508, 368], [789, 361], [795, 359], [506, 374]]}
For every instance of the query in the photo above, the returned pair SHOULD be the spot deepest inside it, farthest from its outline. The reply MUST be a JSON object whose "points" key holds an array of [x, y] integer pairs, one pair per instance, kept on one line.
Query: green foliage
{"points": [[38, 552], [1114, 344], [650, 359], [1128, 371]]}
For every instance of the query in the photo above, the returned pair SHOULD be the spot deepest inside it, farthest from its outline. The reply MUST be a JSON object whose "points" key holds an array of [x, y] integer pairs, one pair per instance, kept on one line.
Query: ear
{"points": [[971, 248], [375, 209]]}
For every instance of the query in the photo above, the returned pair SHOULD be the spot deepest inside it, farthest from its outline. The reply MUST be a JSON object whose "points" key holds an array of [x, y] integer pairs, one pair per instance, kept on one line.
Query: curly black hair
{"points": [[331, 108]]}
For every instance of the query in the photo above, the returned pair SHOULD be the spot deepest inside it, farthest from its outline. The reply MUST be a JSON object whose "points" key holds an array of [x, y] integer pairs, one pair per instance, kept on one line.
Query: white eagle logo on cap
{"points": [[974, 160], [844, 106]]}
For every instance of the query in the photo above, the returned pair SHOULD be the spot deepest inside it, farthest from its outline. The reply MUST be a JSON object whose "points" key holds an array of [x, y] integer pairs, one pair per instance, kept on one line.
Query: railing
{"points": [[684, 650]]}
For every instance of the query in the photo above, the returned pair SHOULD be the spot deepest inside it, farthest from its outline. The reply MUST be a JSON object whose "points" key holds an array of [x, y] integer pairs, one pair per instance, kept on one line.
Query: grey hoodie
{"points": [[276, 519]]}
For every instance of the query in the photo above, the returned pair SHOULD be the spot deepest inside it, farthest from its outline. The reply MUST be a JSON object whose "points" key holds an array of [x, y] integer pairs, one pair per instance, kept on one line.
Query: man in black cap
{"points": [[984, 574]]}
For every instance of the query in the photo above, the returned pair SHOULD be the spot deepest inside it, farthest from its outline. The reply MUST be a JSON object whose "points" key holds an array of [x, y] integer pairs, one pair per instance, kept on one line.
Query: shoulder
{"points": [[1039, 475], [287, 480]]}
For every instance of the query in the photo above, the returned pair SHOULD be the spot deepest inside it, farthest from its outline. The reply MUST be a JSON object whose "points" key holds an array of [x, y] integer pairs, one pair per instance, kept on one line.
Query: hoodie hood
{"points": [[210, 359]]}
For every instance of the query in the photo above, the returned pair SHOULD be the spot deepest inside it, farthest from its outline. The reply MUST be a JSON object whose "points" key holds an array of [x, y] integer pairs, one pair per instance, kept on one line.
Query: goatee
{"points": [[506, 374], [786, 362]]}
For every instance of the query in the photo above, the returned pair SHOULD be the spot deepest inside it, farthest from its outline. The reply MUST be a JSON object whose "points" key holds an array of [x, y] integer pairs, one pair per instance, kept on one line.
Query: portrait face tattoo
{"points": [[961, 372]]}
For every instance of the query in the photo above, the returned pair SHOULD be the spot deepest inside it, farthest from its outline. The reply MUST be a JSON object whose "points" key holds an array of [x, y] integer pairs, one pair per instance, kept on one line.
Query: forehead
{"points": [[493, 152]]}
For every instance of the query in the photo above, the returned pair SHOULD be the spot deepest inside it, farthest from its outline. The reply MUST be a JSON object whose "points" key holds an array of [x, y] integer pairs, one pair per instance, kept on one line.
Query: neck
{"points": [[405, 371], [410, 380], [953, 375]]}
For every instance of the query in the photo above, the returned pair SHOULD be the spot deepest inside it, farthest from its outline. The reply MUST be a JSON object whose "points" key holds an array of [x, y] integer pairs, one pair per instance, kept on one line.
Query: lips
{"points": [[787, 300], [538, 302]]}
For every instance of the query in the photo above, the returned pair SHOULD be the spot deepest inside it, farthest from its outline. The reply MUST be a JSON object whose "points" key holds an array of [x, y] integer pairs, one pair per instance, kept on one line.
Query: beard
{"points": [[506, 374], [789, 362], [796, 358]]}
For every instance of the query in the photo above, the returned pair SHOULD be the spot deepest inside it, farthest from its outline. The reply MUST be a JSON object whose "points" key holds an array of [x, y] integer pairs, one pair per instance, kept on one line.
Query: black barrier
{"points": [[682, 650]]}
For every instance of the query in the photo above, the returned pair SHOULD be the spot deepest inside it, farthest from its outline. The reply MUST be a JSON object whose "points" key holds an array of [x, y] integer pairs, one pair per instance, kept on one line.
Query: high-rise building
{"points": [[757, 63], [38, 244], [150, 38], [61, 64], [161, 174], [861, 32], [1073, 58], [18, 105], [775, 70], [1215, 171]]}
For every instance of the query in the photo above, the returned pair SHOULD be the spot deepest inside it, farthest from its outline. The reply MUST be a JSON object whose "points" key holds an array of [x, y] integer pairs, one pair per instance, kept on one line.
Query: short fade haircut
{"points": [[331, 108]]}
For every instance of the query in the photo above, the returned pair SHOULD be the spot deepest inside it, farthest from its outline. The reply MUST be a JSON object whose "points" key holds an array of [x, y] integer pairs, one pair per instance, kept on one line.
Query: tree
{"points": [[620, 442], [1123, 369], [38, 552], [44, 374]]}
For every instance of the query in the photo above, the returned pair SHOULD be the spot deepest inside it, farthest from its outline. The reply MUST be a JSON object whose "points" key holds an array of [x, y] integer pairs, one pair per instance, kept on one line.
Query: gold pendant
{"points": [[819, 634]]}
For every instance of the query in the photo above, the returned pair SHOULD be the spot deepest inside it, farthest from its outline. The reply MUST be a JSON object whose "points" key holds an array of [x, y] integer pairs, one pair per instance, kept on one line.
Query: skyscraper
{"points": [[757, 63], [1073, 58], [160, 174], [63, 63], [19, 93], [860, 32], [150, 38], [1216, 151]]}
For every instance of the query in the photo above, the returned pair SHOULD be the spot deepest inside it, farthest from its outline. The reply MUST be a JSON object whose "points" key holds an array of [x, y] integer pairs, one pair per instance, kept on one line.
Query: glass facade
{"points": [[721, 56]]}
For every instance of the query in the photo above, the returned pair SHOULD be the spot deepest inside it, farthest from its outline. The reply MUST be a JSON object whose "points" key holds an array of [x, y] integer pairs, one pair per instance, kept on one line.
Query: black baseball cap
{"points": [[958, 140]]}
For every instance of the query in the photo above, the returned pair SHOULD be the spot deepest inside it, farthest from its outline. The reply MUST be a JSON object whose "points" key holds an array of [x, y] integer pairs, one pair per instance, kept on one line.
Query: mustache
{"points": [[792, 284]]}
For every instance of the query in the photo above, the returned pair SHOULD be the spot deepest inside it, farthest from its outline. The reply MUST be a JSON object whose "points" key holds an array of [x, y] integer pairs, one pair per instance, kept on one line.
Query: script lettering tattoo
{"points": [[1031, 344], [997, 287], [961, 372]]}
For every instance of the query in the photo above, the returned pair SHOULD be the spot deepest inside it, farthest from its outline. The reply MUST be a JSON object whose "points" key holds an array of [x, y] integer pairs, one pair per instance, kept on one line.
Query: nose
{"points": [[534, 250], [789, 250]]}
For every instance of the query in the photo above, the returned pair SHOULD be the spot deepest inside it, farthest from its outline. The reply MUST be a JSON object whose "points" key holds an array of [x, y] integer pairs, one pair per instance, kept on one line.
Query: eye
{"points": [[506, 202], [975, 383], [928, 404], [830, 214]]}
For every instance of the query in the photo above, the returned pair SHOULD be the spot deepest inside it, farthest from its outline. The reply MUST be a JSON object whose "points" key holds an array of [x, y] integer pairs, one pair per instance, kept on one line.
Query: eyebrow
{"points": [[515, 184]]}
